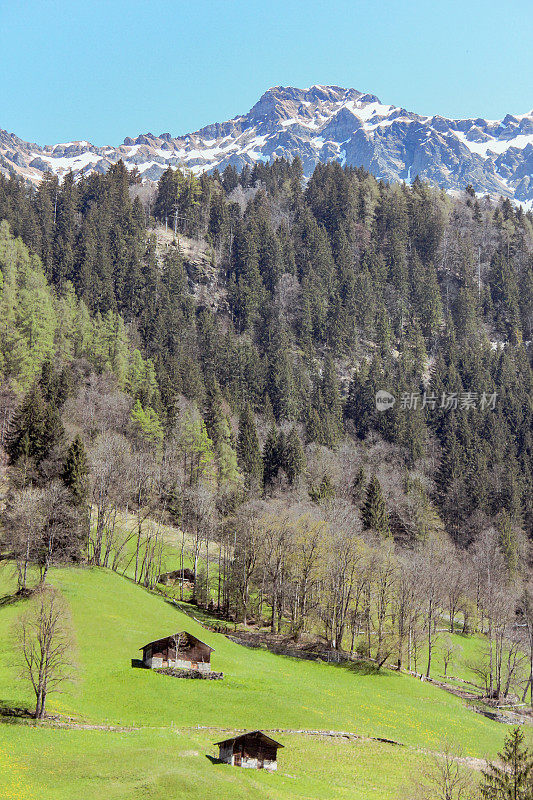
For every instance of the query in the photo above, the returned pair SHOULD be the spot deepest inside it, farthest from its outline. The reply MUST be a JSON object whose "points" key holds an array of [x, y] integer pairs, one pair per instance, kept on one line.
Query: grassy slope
{"points": [[50, 764], [469, 648], [113, 618]]}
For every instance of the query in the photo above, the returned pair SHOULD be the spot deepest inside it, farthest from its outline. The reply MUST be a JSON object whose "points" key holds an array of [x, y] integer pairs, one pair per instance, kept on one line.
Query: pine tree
{"points": [[361, 402], [450, 463], [331, 396], [281, 448], [280, 381], [271, 463], [76, 470], [26, 438], [513, 778], [248, 450], [168, 193], [358, 486], [293, 457], [505, 297], [248, 293], [54, 432], [374, 512]]}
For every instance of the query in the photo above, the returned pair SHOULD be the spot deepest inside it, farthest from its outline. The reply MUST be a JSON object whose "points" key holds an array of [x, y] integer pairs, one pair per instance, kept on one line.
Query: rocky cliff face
{"points": [[318, 124]]}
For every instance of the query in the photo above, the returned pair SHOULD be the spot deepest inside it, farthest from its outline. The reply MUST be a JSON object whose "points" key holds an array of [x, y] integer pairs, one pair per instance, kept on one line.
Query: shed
{"points": [[179, 651], [253, 750], [186, 575]]}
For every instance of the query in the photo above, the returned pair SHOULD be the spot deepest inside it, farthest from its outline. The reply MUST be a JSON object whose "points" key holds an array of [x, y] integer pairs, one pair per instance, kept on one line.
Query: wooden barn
{"points": [[170, 578], [254, 750], [179, 651]]}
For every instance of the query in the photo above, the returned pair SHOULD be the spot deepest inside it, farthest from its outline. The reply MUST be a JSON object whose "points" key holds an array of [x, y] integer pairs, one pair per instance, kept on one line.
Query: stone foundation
{"points": [[190, 673]]}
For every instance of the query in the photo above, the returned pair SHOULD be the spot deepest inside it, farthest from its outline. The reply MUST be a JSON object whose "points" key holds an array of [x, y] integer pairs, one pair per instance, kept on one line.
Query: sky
{"points": [[102, 70]]}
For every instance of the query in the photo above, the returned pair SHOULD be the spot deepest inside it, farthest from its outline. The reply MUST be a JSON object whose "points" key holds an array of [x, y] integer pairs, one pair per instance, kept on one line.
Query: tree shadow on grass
{"points": [[13, 714], [208, 619], [187, 608], [359, 667], [15, 597], [364, 668], [10, 599]]}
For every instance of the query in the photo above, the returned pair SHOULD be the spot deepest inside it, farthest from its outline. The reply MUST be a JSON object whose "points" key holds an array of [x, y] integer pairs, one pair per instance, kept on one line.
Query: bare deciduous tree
{"points": [[446, 778], [111, 477], [22, 527], [449, 651], [45, 643], [526, 610], [42, 527]]}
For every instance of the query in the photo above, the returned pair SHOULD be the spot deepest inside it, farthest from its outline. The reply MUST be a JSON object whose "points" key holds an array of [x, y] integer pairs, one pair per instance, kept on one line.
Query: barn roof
{"points": [[191, 640], [256, 735]]}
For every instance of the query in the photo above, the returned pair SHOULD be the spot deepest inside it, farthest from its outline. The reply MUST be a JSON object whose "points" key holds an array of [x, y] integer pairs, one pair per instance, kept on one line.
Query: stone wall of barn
{"points": [[156, 662], [201, 666], [253, 763]]}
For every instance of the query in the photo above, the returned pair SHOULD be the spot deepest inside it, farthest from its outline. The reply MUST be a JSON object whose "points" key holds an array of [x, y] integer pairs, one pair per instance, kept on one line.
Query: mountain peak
{"points": [[319, 123]]}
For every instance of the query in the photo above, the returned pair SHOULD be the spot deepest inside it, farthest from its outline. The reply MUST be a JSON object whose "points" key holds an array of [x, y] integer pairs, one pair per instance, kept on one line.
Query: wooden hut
{"points": [[253, 750], [179, 651], [170, 578]]}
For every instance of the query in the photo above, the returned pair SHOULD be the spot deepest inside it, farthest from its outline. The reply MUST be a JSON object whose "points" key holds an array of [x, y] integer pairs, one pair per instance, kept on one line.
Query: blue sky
{"points": [[105, 70]]}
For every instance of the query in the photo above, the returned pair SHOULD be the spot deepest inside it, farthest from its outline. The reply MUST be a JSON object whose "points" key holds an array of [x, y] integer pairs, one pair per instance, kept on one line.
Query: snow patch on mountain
{"points": [[496, 146], [321, 123]]}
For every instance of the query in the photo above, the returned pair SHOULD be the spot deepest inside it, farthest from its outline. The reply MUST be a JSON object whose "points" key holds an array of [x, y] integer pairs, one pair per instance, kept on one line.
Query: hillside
{"points": [[142, 732], [318, 124], [204, 360]]}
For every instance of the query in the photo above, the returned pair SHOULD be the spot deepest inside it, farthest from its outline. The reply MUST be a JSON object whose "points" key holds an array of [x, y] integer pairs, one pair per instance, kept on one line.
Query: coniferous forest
{"points": [[208, 351]]}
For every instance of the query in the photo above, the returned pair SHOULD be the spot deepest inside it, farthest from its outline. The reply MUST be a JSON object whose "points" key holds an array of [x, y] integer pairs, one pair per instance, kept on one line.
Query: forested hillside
{"points": [[236, 397]]}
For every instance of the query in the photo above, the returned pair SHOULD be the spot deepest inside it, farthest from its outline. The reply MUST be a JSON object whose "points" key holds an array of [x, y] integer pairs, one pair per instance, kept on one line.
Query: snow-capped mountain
{"points": [[322, 123]]}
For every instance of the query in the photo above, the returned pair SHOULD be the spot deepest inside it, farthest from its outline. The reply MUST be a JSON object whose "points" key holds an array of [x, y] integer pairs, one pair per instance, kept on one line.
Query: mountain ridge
{"points": [[317, 124]]}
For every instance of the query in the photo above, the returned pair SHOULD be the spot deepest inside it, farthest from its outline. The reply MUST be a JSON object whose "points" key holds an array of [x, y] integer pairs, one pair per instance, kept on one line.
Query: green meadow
{"points": [[156, 733]]}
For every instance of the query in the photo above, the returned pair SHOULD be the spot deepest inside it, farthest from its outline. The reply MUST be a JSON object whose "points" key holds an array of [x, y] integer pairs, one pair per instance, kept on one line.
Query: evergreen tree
{"points": [[27, 433], [512, 779], [313, 426], [358, 486], [293, 457], [331, 396], [374, 512], [76, 470], [248, 450], [271, 464], [280, 381], [505, 297]]}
